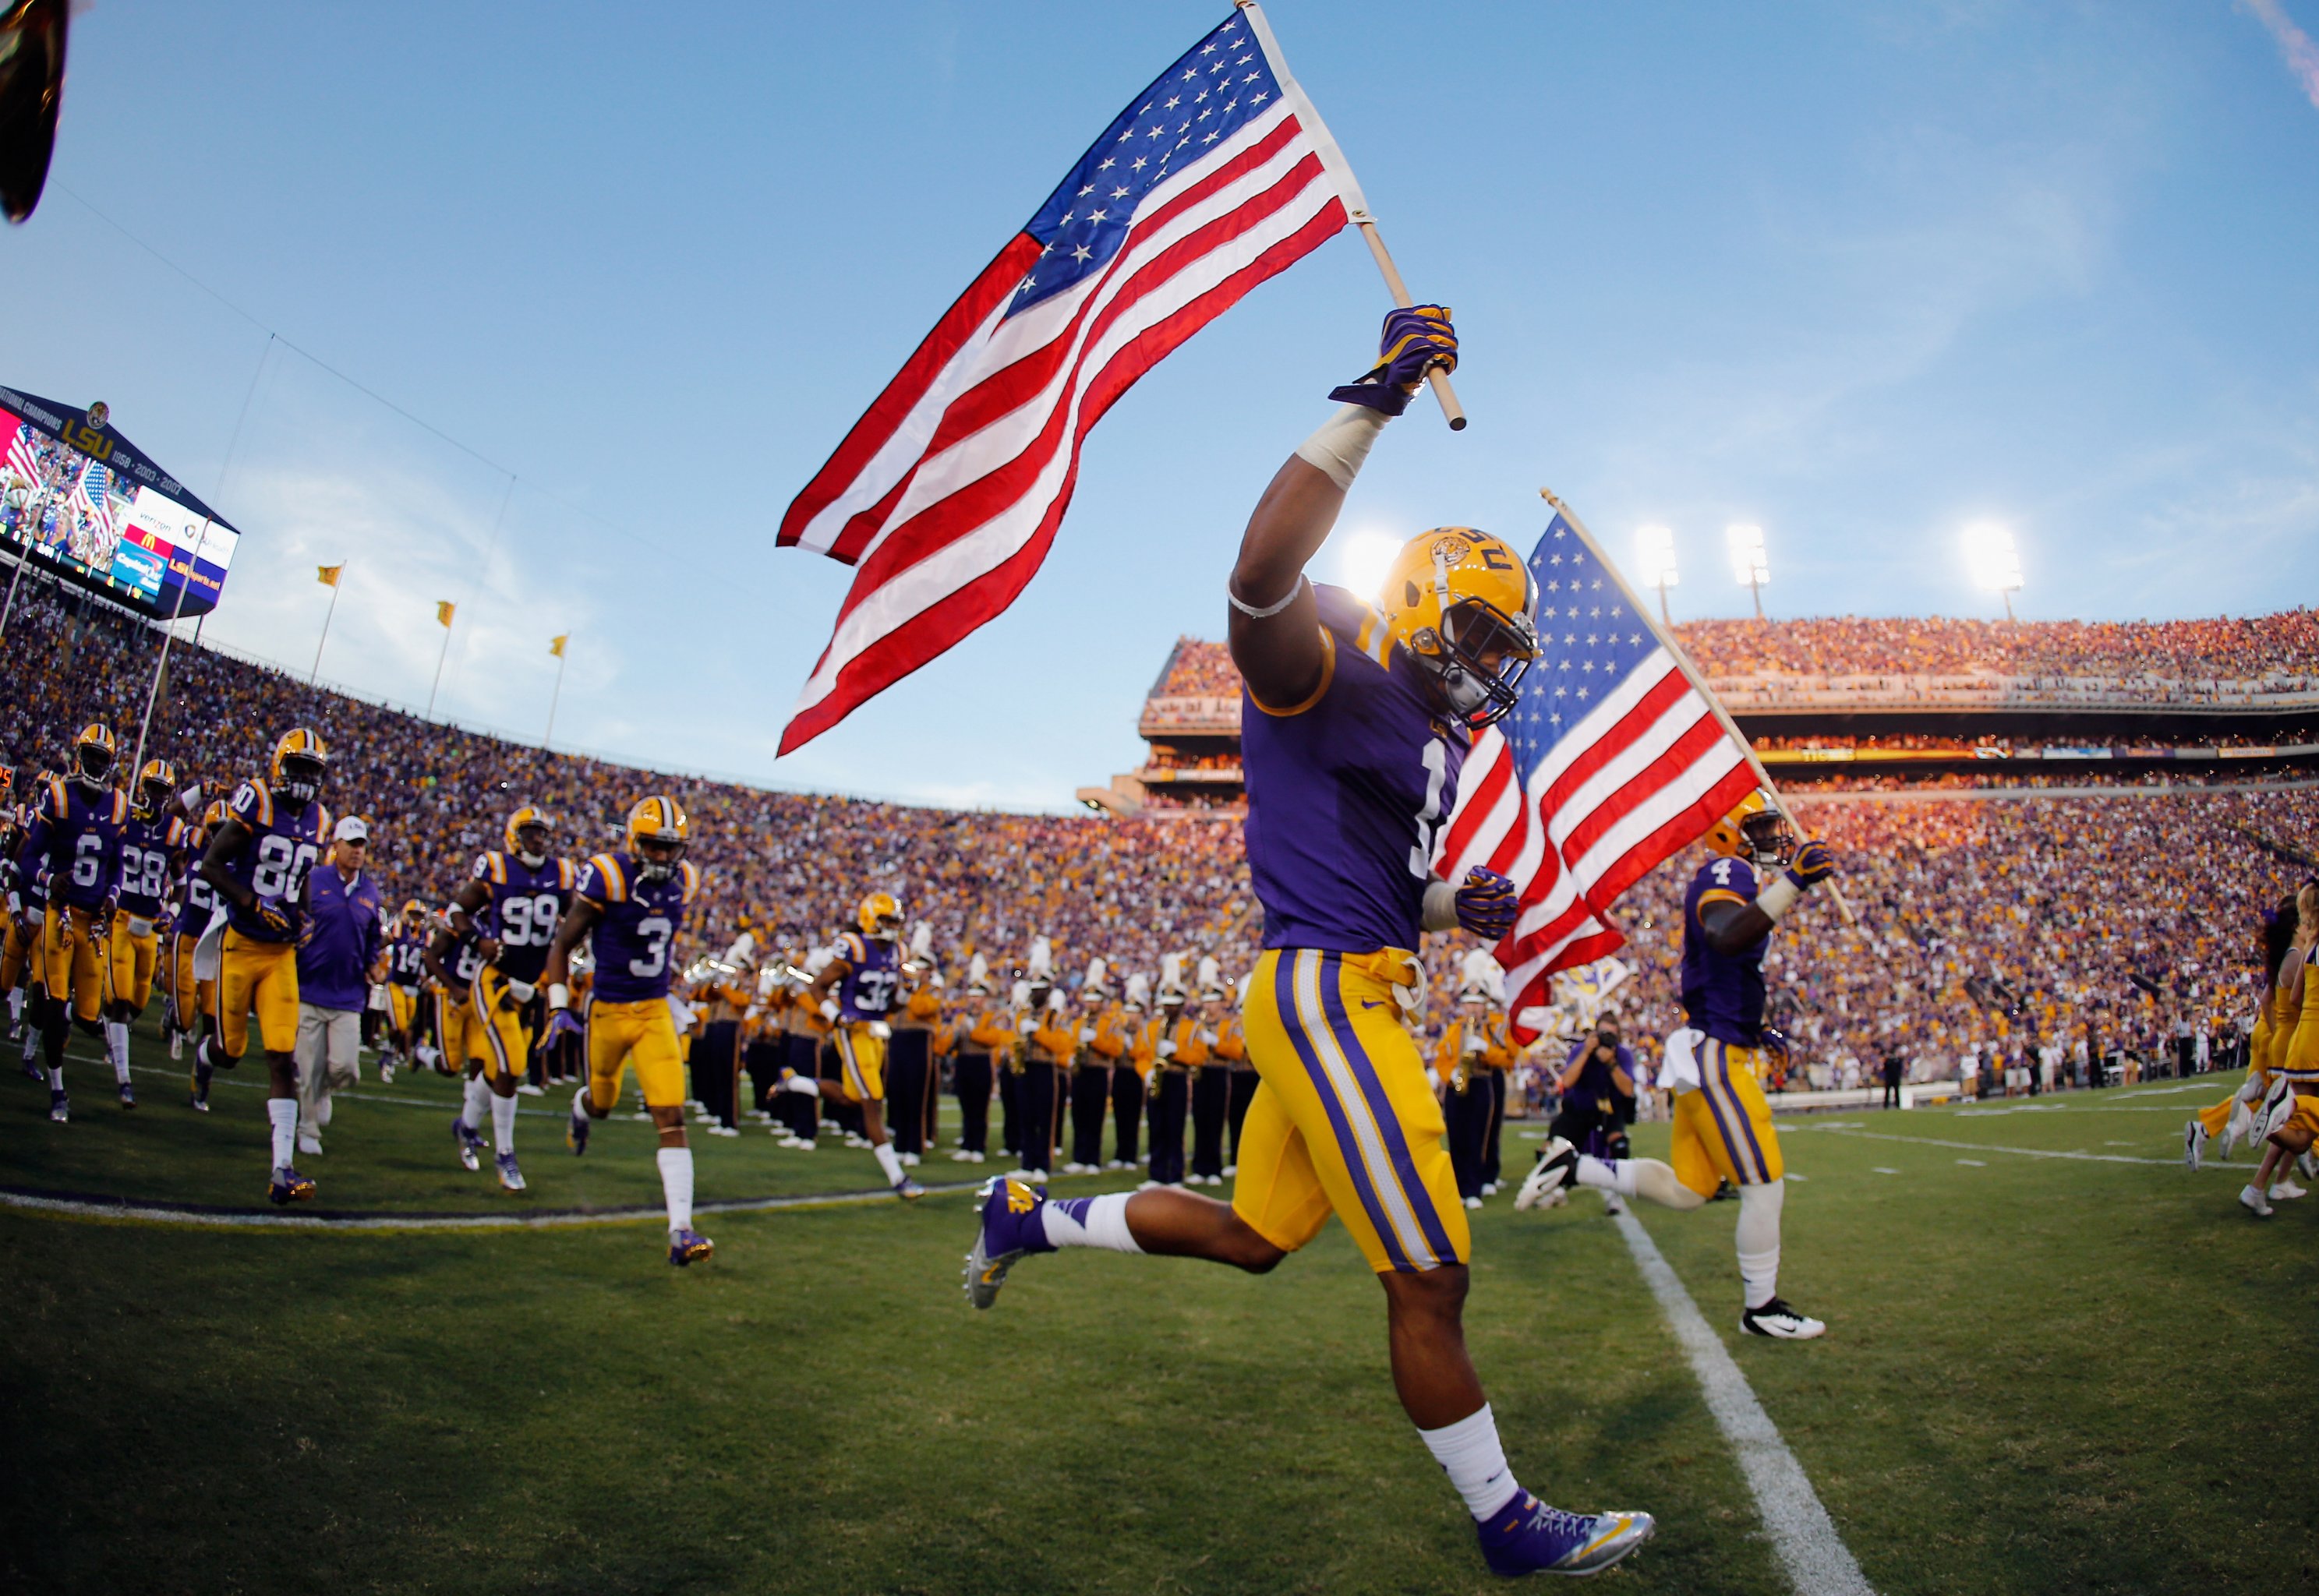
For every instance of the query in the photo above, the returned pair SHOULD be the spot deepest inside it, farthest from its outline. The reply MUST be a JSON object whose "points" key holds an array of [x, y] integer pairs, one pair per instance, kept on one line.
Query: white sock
{"points": [[580, 1101], [1648, 1178], [1469, 1454], [1604, 1175], [476, 1113], [803, 1085], [15, 1004], [889, 1162], [1090, 1221], [56, 1077], [284, 1113], [676, 1186], [1759, 1239], [116, 1043], [503, 1124]]}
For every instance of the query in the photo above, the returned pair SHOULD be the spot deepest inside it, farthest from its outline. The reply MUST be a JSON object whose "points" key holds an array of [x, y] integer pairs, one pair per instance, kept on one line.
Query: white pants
{"points": [[328, 1041]]}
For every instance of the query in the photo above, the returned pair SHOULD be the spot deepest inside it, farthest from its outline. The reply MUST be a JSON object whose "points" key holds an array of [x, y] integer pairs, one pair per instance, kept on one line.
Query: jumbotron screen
{"points": [[100, 513]]}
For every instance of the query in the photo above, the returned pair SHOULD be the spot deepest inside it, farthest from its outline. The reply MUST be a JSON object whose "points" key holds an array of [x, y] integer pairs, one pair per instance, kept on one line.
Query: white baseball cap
{"points": [[350, 829]]}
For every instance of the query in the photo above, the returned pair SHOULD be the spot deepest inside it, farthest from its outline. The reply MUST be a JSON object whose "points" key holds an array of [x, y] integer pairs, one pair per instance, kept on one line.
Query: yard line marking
{"points": [[256, 1218], [1879, 1169], [1974, 1163], [1803, 1536], [2027, 1152]]}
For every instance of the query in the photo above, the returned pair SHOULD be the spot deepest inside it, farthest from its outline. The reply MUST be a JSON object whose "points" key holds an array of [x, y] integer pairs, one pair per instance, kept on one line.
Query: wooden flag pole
{"points": [[1691, 673], [1348, 190]]}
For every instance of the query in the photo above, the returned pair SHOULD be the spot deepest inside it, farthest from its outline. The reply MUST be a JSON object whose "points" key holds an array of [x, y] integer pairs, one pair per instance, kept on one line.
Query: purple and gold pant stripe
{"points": [[1732, 1121]]}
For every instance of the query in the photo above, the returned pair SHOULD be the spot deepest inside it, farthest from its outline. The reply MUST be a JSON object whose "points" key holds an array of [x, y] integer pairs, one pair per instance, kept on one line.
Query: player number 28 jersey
{"points": [[147, 845], [634, 936]]}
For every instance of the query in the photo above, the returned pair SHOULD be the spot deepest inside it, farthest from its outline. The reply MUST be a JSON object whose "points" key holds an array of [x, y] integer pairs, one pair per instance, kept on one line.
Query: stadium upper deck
{"points": [[1929, 696]]}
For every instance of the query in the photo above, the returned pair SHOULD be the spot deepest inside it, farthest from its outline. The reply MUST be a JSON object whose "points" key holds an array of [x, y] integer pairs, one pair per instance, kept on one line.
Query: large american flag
{"points": [[946, 495], [1611, 762]]}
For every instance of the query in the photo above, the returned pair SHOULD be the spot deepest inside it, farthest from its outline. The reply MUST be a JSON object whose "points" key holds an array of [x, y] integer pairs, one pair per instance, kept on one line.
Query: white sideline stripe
{"points": [[2027, 1152], [1803, 1536], [140, 1214]]}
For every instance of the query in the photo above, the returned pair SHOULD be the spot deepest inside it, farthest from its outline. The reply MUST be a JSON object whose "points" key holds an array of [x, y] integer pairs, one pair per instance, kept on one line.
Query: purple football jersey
{"points": [[146, 845], [1348, 792], [1722, 993], [866, 992], [639, 923], [77, 840], [522, 909], [284, 843]]}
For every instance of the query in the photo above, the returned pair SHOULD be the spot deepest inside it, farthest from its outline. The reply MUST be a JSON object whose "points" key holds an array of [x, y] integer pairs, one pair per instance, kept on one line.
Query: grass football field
{"points": [[2073, 1373]]}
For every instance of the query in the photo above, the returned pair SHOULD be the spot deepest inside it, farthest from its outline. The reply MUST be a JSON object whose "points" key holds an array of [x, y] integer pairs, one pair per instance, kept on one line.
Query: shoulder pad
{"points": [[690, 874], [613, 881], [566, 872]]}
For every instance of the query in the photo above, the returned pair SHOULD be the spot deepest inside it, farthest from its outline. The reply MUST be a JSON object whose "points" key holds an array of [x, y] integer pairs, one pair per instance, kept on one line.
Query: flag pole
{"points": [[1348, 190], [341, 576], [556, 696], [439, 658], [1691, 673]]}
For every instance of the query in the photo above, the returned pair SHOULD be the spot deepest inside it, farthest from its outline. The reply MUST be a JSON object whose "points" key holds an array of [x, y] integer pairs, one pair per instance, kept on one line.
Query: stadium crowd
{"points": [[2221, 649], [2065, 902]]}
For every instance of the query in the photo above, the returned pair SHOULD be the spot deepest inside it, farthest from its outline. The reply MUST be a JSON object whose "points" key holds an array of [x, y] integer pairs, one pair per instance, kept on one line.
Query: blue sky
{"points": [[1858, 273]]}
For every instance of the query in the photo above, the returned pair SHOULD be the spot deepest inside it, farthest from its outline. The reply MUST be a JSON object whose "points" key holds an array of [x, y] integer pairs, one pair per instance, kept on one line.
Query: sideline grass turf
{"points": [[2043, 1374]]}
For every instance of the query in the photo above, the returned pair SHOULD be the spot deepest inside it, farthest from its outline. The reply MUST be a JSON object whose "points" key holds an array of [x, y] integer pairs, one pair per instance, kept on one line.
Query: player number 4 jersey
{"points": [[1722, 993], [635, 935]]}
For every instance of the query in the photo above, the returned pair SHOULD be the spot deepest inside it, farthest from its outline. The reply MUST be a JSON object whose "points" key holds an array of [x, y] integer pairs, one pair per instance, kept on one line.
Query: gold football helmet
{"points": [[93, 754], [1755, 830], [1460, 601], [160, 773], [657, 831], [879, 916], [531, 818], [299, 760]]}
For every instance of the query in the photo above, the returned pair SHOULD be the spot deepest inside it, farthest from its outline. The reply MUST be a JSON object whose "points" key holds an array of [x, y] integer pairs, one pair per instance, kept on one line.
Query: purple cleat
{"points": [[1012, 1227], [688, 1247], [288, 1187], [469, 1141], [1527, 1536]]}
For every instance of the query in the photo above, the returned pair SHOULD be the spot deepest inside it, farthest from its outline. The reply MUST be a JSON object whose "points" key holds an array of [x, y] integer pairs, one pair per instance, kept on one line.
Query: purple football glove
{"points": [[1814, 861], [1414, 341], [563, 1023], [275, 917], [1486, 904]]}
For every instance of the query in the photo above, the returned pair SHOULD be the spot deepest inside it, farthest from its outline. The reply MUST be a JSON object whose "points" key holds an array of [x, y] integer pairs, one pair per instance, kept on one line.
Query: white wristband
{"points": [[1440, 912], [1779, 898], [1265, 611], [1342, 442], [559, 996]]}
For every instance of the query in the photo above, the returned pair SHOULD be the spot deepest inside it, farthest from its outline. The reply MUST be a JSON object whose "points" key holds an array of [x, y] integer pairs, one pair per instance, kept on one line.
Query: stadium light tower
{"points": [[1747, 565], [1654, 556], [1993, 561]]}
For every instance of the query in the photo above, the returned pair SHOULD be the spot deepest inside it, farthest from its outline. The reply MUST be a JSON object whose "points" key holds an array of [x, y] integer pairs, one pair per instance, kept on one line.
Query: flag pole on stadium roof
{"points": [[331, 575], [445, 613], [1691, 671], [1348, 188]]}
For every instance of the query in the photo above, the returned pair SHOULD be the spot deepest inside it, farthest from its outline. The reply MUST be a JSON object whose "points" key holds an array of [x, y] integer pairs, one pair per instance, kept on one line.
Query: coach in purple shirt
{"points": [[339, 956]]}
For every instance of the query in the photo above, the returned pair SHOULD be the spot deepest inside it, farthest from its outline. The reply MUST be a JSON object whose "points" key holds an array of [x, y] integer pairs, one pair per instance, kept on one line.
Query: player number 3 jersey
{"points": [[635, 935]]}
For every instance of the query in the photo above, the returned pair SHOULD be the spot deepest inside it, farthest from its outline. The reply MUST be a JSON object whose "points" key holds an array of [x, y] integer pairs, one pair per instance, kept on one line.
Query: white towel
{"points": [[1680, 1073]]}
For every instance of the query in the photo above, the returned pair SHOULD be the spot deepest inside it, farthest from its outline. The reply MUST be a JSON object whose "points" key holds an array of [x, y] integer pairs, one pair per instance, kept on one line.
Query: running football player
{"points": [[2287, 1119], [73, 848], [264, 849], [406, 977], [2233, 1118], [627, 907], [1723, 1128], [192, 998], [1354, 725], [152, 852], [856, 989], [508, 907]]}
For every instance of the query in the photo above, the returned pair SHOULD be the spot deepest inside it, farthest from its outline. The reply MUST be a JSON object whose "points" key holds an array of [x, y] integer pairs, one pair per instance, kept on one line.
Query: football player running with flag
{"points": [[1355, 723], [628, 905], [1722, 1119]]}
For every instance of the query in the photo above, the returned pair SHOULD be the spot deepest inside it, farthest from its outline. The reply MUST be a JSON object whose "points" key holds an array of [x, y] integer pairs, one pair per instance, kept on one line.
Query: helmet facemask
{"points": [[531, 844], [1769, 840], [656, 857], [1473, 633], [93, 764], [301, 777]]}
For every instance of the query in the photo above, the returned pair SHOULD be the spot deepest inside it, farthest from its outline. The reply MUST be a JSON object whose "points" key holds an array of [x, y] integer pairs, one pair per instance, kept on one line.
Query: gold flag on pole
{"points": [[444, 610], [328, 575], [556, 644]]}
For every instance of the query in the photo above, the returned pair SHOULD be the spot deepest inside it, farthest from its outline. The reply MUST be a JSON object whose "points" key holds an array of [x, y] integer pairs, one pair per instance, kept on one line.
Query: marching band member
{"points": [[1195, 1041], [1128, 1071], [1169, 1085], [910, 1073], [1100, 1045], [984, 1033]]}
